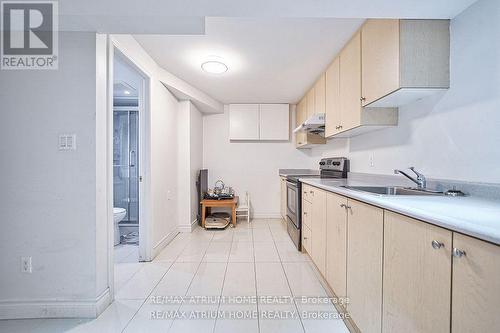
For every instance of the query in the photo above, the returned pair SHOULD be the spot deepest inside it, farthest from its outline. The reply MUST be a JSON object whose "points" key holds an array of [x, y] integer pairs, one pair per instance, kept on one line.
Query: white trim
{"points": [[55, 308], [163, 242], [188, 228], [266, 216]]}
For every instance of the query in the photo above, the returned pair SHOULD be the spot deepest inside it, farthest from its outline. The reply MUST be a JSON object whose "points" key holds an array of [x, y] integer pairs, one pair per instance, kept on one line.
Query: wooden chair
{"points": [[243, 209]]}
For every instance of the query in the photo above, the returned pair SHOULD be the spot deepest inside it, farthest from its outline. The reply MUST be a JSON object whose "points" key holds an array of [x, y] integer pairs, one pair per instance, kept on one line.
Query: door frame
{"points": [[145, 225]]}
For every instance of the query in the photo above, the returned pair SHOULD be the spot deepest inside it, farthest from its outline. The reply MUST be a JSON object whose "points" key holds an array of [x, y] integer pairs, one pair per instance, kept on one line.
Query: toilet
{"points": [[118, 215]]}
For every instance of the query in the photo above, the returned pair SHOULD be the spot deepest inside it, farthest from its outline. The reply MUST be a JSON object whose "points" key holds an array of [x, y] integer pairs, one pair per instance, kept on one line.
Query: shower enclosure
{"points": [[126, 170]]}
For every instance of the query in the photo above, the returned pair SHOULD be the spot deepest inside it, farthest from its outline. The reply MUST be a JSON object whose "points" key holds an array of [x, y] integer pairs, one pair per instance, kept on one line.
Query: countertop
{"points": [[297, 172], [475, 216]]}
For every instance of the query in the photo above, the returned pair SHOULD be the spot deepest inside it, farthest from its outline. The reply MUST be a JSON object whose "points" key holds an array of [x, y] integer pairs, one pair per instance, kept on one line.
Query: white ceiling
{"points": [[269, 60], [186, 16]]}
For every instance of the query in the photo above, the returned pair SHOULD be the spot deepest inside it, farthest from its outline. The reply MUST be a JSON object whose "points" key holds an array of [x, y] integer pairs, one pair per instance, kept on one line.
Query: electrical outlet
{"points": [[26, 265], [372, 160]]}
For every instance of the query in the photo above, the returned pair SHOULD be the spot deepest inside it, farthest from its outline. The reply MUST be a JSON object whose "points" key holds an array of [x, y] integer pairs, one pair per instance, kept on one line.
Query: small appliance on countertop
{"points": [[335, 167]]}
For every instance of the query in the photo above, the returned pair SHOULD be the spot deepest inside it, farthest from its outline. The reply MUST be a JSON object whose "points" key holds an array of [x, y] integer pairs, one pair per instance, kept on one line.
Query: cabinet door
{"points": [[332, 98], [307, 213], [306, 239], [380, 59], [417, 276], [300, 117], [311, 103], [319, 95], [364, 265], [283, 198], [244, 122], [336, 243], [350, 83], [476, 286], [274, 122], [318, 229]]}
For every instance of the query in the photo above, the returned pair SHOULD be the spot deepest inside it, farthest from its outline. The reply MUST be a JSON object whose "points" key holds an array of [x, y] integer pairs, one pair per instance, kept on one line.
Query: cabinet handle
{"points": [[312, 192], [305, 213], [362, 99], [343, 206], [458, 253], [436, 244], [305, 238]]}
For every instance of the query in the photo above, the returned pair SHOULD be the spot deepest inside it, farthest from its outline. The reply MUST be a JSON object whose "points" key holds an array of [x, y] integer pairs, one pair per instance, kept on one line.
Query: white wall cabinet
{"points": [[254, 122]]}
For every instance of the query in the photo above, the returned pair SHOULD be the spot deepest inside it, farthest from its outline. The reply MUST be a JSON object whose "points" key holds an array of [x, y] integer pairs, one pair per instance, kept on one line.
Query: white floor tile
{"points": [[172, 250], [177, 280], [266, 252], [143, 282], [198, 318], [193, 252], [124, 272], [239, 280], [242, 235], [271, 280], [279, 318], [241, 252], [217, 252], [280, 235], [225, 235], [262, 235], [303, 280], [237, 318], [152, 318], [317, 317], [289, 253], [208, 279], [21, 325]]}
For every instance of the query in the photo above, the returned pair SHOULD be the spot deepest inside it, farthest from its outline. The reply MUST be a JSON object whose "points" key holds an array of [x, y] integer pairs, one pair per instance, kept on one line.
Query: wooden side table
{"points": [[207, 204]]}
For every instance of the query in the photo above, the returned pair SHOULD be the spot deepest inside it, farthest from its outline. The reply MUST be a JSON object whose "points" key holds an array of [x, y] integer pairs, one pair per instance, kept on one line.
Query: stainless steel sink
{"points": [[393, 190]]}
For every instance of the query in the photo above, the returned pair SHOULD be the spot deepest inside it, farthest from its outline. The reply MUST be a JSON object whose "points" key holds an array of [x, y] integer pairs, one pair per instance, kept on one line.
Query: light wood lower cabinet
{"points": [[336, 243], [318, 229], [306, 238], [476, 286], [417, 276], [283, 197], [364, 265]]}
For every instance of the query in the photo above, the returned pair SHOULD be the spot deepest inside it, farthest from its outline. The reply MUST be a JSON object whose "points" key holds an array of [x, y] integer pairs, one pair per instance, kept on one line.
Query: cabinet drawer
{"points": [[306, 238], [307, 193], [306, 213]]}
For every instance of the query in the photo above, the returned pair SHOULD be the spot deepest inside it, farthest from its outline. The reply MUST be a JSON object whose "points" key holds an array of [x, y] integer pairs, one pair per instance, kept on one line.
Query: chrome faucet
{"points": [[419, 180]]}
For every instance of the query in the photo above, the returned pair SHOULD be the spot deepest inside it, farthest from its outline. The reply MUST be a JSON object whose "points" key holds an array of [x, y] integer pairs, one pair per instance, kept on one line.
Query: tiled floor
{"points": [[247, 279], [126, 253]]}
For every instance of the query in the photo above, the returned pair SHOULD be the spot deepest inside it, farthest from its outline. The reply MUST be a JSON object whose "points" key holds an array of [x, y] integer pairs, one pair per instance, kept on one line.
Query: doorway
{"points": [[127, 156]]}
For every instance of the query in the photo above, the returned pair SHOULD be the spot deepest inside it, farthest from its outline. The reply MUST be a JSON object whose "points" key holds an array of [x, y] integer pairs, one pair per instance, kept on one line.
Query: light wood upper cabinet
{"points": [[350, 83], [318, 229], [380, 59], [320, 94], [417, 276], [404, 60], [336, 243], [476, 286], [311, 102], [304, 139], [332, 98], [364, 265]]}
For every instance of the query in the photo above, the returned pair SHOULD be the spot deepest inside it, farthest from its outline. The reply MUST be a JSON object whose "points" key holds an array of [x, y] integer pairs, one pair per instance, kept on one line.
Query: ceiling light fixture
{"points": [[214, 67]]}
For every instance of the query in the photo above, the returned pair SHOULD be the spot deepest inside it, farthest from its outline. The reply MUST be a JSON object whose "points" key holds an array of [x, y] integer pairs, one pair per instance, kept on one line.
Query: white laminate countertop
{"points": [[474, 216]]}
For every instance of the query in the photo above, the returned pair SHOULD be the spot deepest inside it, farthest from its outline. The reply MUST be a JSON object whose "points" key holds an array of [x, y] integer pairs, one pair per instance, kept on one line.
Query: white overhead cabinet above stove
{"points": [[259, 122]]}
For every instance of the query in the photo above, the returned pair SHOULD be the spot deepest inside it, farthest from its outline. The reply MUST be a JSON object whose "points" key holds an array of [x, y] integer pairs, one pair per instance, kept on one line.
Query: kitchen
{"points": [[360, 142]]}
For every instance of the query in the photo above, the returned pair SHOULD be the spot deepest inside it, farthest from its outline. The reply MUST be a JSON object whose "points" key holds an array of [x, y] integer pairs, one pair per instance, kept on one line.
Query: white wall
{"points": [[454, 135], [189, 161], [161, 171], [250, 166], [48, 198]]}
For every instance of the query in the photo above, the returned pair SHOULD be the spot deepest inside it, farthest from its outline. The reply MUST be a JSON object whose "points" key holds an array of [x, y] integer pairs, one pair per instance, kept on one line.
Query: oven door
{"points": [[292, 203]]}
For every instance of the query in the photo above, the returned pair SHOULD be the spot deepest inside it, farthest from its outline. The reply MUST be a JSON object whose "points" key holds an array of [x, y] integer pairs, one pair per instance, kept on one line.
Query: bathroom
{"points": [[127, 94]]}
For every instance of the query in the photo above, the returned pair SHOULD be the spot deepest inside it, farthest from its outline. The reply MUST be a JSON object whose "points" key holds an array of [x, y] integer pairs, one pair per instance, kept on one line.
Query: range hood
{"points": [[314, 124]]}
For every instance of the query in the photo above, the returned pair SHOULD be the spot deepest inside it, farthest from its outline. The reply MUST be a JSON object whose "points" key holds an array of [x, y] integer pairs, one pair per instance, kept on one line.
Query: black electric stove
{"points": [[336, 167]]}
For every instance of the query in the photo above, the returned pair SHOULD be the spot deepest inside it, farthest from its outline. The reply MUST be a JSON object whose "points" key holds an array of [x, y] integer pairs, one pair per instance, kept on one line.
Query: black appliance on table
{"points": [[336, 167]]}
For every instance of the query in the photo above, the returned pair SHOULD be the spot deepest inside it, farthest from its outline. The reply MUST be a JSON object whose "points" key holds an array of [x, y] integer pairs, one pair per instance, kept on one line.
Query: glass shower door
{"points": [[125, 163]]}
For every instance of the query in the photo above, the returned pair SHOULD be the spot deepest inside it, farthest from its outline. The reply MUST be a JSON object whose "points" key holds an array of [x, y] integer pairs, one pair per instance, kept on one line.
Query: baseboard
{"points": [[60, 308], [163, 242], [188, 228], [266, 215]]}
